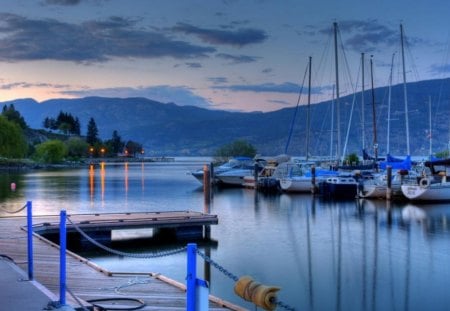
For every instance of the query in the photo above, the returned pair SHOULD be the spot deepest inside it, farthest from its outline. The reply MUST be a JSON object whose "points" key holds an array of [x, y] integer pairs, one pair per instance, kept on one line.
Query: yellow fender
{"points": [[261, 295]]}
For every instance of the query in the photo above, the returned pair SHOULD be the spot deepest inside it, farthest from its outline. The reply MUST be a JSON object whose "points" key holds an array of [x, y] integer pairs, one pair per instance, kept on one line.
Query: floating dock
{"points": [[86, 280]]}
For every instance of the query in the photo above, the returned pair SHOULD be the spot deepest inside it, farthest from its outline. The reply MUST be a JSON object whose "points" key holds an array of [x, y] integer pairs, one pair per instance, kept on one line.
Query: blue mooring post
{"points": [[62, 258], [30, 240], [191, 276]]}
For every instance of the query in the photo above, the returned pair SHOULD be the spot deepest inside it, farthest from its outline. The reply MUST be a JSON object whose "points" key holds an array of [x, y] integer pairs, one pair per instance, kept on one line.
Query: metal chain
{"points": [[285, 306], [124, 254], [234, 277], [217, 266], [13, 212], [167, 253]]}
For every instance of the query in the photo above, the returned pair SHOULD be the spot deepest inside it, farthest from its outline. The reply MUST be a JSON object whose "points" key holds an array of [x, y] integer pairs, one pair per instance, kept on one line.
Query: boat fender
{"points": [[261, 295], [424, 182]]}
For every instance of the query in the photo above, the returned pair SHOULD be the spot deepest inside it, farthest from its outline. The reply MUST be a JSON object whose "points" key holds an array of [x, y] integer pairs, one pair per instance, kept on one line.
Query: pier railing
{"points": [[197, 291]]}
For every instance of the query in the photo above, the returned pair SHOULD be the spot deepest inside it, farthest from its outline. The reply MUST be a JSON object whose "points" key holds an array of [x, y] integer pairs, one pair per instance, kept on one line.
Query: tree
{"points": [[51, 151], [92, 132], [352, 159], [12, 141], [115, 144], [76, 147], [234, 149], [11, 114], [132, 148]]}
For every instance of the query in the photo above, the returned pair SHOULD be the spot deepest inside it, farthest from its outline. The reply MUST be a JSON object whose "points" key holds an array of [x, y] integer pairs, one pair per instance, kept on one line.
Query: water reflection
{"points": [[325, 255]]}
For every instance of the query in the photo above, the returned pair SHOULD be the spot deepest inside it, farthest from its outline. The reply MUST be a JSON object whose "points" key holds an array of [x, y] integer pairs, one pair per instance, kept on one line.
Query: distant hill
{"points": [[169, 129]]}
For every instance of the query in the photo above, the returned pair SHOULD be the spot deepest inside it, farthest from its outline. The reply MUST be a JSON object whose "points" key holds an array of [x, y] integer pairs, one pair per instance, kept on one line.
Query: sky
{"points": [[235, 55]]}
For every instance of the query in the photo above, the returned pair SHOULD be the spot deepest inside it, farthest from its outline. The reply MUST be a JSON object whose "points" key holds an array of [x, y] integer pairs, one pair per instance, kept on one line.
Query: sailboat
{"points": [[303, 178], [377, 187], [432, 187]]}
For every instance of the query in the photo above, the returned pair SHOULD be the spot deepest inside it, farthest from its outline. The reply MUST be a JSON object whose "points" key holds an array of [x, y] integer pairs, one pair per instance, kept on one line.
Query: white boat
{"points": [[234, 163], [377, 187], [234, 177], [428, 189], [434, 186], [304, 183]]}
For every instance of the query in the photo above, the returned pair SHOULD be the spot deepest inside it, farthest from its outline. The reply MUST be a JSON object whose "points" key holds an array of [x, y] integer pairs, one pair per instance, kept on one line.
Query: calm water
{"points": [[324, 255]]}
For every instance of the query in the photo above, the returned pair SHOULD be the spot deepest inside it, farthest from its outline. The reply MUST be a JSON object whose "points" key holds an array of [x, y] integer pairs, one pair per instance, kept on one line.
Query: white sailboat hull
{"points": [[380, 191], [432, 192], [296, 184]]}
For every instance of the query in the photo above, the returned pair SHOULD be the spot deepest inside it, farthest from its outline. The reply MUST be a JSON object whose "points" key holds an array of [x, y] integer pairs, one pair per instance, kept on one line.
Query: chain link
{"points": [[167, 253], [124, 254], [218, 267], [13, 212]]}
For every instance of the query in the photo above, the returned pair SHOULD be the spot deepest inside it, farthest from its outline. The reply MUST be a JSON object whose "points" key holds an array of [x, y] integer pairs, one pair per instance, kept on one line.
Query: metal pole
{"points": [[191, 276], [30, 240], [62, 258]]}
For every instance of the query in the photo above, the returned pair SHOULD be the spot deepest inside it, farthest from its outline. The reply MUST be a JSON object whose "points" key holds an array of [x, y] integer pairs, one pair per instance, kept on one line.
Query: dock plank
{"points": [[88, 281]]}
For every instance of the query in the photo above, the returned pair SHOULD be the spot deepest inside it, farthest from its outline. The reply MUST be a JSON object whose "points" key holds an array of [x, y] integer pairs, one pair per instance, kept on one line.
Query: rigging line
{"points": [[444, 64], [295, 113], [350, 119], [410, 57], [353, 89]]}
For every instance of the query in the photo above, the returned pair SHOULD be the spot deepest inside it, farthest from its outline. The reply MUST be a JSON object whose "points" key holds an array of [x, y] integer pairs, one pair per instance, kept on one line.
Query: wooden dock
{"points": [[85, 279]]}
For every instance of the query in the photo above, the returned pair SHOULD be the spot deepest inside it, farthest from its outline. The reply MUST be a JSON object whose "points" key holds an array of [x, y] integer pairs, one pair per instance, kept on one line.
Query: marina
{"points": [[352, 254]]}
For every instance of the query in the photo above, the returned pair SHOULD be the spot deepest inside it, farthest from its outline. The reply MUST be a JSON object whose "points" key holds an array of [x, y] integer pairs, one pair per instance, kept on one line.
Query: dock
{"points": [[87, 281]]}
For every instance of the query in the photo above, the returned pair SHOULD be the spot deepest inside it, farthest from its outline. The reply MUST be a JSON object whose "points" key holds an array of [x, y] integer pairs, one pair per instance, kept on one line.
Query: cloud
{"points": [[62, 2], [440, 69], [27, 85], [367, 35], [91, 41], [237, 59], [179, 95], [193, 65], [286, 87], [218, 80], [239, 37]]}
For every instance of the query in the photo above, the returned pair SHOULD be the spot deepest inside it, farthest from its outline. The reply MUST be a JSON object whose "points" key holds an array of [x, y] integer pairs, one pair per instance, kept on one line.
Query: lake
{"points": [[324, 255]]}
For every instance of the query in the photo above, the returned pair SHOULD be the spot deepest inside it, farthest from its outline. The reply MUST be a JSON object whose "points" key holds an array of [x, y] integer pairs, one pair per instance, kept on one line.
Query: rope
{"points": [[124, 254], [13, 212]]}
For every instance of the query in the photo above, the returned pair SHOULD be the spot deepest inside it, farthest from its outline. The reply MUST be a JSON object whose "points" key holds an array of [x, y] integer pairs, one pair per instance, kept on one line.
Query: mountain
{"points": [[169, 129]]}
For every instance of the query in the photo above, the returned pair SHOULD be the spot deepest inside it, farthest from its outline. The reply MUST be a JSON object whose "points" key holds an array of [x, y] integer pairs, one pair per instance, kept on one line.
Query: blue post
{"points": [[30, 240], [191, 276], [62, 258]]}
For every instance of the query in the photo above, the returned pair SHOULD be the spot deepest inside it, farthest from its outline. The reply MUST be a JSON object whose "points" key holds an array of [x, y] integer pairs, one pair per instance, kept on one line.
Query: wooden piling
{"points": [[255, 175], [313, 179], [389, 182], [207, 183]]}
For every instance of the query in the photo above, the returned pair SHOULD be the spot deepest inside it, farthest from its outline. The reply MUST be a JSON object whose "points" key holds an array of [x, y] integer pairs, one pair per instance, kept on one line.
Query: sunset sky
{"points": [[240, 55]]}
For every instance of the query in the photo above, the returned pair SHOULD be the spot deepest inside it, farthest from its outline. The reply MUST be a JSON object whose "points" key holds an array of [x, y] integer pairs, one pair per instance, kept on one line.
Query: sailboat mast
{"points": [[363, 123], [404, 92], [389, 108], [429, 120], [332, 127], [338, 117], [308, 119], [374, 117]]}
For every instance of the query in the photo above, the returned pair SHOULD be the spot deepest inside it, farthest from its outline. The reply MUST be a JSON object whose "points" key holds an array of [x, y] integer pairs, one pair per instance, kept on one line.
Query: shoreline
{"points": [[27, 164]]}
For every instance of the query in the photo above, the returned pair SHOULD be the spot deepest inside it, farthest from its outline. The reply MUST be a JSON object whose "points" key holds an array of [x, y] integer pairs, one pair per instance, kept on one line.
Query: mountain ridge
{"points": [[170, 129]]}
